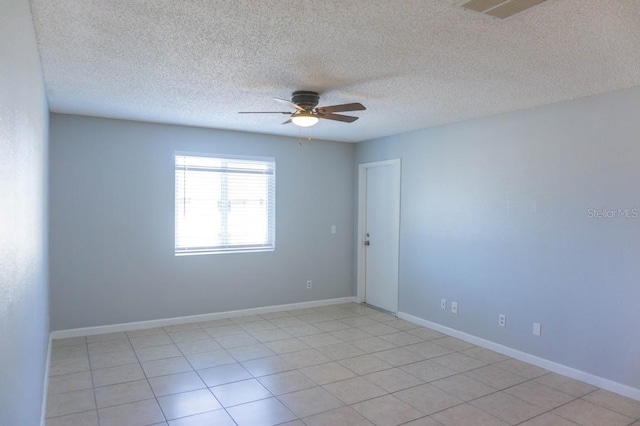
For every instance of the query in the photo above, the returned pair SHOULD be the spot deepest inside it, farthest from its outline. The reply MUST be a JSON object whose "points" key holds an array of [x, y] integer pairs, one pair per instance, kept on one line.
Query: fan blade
{"points": [[290, 103], [342, 108], [264, 112], [338, 117], [288, 121]]}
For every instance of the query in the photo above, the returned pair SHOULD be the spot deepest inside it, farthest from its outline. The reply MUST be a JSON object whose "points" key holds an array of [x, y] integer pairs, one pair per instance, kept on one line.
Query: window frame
{"points": [[270, 243]]}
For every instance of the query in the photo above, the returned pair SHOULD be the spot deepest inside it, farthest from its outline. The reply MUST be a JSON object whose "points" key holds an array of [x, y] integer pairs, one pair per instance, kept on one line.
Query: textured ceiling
{"points": [[413, 63]]}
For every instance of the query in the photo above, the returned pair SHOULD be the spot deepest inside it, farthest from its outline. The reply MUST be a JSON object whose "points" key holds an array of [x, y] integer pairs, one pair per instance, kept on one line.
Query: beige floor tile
{"points": [[240, 392], [393, 380], [327, 373], [320, 339], [615, 402], [249, 352], [354, 390], [311, 401], [463, 387], [188, 335], [373, 344], [210, 359], [521, 368], [192, 347], [122, 393], [467, 415], [302, 330], [378, 329], [215, 418], [266, 412], [424, 421], [285, 322], [286, 346], [540, 395], [146, 332], [188, 403], [181, 327], [87, 418], [113, 359], [70, 382], [340, 416], [61, 404], [223, 374], [332, 325], [287, 382], [506, 407], [305, 358], [148, 340], [108, 346], [224, 330], [387, 411], [365, 364], [351, 334], [162, 367], [401, 325], [458, 362], [359, 321], [236, 340], [265, 366], [272, 335], [341, 351], [257, 326], [69, 341], [453, 343], [398, 356], [62, 366], [428, 399], [115, 375], [402, 338], [107, 336], [176, 383], [565, 384], [548, 419], [153, 353], [428, 370], [495, 377], [245, 319], [587, 414], [485, 355], [426, 333], [135, 413], [428, 350], [67, 352]]}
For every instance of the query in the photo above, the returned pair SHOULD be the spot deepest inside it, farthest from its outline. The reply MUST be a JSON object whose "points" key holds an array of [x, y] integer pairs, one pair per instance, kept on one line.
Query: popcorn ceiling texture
{"points": [[414, 64]]}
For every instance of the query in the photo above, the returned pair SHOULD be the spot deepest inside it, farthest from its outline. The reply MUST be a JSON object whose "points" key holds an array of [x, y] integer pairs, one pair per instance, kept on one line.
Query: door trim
{"points": [[362, 209]]}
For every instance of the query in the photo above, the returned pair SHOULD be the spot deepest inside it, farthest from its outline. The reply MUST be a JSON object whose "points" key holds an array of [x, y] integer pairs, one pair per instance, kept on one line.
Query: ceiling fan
{"points": [[307, 113]]}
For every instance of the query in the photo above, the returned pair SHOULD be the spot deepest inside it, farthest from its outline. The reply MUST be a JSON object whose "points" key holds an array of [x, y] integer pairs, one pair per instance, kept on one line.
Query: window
{"points": [[224, 204]]}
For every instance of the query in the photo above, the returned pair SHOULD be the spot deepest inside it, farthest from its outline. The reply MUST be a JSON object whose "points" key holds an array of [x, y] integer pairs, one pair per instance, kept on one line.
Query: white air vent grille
{"points": [[500, 8]]}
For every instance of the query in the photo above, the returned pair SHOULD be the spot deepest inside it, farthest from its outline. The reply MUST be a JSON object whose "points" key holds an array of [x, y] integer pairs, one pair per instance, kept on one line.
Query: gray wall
{"points": [[112, 225], [24, 313], [495, 216]]}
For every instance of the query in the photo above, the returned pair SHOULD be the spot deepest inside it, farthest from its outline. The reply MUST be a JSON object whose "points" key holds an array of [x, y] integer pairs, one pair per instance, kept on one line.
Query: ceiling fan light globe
{"points": [[304, 120]]}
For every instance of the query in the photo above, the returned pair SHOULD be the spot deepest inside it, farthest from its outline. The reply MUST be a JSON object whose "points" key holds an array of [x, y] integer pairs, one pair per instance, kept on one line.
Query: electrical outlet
{"points": [[537, 330], [333, 229], [502, 320], [308, 283], [443, 303], [454, 307]]}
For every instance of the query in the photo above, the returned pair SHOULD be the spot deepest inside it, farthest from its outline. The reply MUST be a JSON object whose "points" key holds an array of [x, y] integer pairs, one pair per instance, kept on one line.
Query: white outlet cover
{"points": [[443, 303], [537, 329], [454, 307], [502, 320]]}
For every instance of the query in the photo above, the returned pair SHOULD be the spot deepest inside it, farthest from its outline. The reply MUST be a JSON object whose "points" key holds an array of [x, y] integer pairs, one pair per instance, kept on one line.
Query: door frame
{"points": [[362, 218]]}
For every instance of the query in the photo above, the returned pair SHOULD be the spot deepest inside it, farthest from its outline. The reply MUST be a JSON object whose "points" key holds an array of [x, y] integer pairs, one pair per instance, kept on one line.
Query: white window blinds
{"points": [[224, 204]]}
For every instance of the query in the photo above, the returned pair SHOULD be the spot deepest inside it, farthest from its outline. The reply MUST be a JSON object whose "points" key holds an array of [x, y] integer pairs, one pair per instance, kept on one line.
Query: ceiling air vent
{"points": [[500, 8]]}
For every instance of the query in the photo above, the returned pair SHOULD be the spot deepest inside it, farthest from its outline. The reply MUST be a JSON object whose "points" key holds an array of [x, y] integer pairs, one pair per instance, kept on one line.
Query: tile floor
{"points": [[336, 365]]}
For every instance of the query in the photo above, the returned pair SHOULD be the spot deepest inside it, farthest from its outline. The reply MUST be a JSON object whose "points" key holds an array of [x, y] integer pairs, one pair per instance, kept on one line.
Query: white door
{"points": [[380, 234]]}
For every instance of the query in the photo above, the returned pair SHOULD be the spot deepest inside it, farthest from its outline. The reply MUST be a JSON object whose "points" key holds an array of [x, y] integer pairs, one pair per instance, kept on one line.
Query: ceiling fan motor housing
{"points": [[305, 99]]}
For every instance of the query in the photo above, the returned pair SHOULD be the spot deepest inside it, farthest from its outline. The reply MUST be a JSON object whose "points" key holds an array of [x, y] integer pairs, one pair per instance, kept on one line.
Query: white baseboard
{"points": [[564, 370], [87, 331], [43, 409]]}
